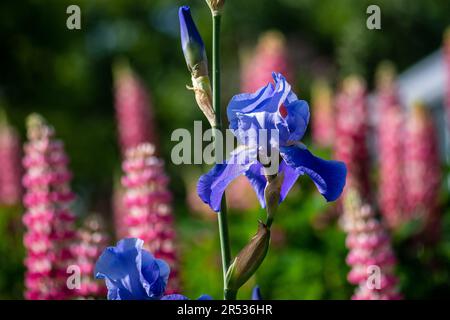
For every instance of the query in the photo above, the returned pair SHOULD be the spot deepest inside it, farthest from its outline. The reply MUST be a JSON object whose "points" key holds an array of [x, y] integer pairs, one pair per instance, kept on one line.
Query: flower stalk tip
{"points": [[216, 6]]}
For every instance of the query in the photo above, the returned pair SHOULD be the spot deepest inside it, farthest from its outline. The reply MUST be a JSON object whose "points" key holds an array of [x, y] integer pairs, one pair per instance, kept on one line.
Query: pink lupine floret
{"points": [[49, 221], [148, 206], [370, 251]]}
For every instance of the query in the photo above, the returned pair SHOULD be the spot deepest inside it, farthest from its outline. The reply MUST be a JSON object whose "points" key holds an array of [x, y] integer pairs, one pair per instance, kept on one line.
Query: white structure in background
{"points": [[426, 82]]}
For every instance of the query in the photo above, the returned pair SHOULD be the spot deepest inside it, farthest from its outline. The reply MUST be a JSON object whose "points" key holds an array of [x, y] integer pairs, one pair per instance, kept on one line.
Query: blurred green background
{"points": [[66, 76]]}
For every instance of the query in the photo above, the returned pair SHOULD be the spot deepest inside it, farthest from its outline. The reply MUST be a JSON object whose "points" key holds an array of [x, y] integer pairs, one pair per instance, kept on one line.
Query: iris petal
{"points": [[328, 176], [212, 185], [131, 272]]}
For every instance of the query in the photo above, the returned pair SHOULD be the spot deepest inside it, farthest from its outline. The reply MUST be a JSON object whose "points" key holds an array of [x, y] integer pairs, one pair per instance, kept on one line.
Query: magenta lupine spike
{"points": [[270, 55], [148, 202], [50, 223], [92, 240], [10, 168], [134, 112], [422, 168], [322, 115], [390, 134], [370, 256], [351, 134]]}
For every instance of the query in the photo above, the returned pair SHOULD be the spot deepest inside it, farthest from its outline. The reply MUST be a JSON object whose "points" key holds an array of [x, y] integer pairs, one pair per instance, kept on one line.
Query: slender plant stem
{"points": [[222, 214]]}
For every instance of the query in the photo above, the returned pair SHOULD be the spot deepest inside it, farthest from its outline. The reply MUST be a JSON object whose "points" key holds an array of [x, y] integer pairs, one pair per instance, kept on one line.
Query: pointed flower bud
{"points": [[197, 62], [249, 259], [215, 6], [192, 43]]}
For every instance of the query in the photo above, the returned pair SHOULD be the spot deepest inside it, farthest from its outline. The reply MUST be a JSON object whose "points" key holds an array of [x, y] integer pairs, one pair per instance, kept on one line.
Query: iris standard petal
{"points": [[248, 103], [121, 266], [329, 176], [297, 119], [212, 185]]}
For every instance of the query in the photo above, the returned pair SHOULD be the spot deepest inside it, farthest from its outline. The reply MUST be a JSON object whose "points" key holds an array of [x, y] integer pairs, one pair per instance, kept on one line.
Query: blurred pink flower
{"points": [[422, 168], [10, 168], [50, 223], [351, 134], [92, 240], [134, 111], [148, 201], [390, 134], [270, 55], [370, 256], [322, 115]]}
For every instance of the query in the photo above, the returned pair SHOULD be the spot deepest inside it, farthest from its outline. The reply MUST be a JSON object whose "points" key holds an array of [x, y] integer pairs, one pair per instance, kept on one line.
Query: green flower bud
{"points": [[249, 259]]}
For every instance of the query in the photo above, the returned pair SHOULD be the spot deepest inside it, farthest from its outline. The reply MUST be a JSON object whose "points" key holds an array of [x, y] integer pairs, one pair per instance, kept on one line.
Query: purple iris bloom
{"points": [[132, 273], [272, 109]]}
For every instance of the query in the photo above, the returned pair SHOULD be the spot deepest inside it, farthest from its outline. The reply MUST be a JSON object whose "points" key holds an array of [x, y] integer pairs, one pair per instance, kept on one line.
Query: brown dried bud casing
{"points": [[249, 259], [272, 195], [215, 6], [203, 95]]}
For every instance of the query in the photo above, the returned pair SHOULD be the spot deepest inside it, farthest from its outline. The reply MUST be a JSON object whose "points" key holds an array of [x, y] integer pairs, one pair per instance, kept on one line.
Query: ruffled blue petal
{"points": [[262, 130], [248, 103], [212, 185], [258, 181], [297, 119], [289, 179], [328, 176], [131, 272]]}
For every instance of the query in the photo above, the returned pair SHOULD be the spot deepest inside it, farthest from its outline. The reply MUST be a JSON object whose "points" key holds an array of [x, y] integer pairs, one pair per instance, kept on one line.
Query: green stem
{"points": [[222, 214]]}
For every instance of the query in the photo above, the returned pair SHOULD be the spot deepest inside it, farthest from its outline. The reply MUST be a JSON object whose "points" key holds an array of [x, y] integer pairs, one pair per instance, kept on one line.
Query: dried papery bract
{"points": [[148, 202], [216, 6], [351, 134], [390, 138], [370, 256], [50, 223]]}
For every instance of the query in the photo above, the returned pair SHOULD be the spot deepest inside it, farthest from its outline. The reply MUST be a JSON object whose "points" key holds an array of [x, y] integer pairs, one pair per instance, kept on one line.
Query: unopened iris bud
{"points": [[197, 62], [216, 6], [192, 44], [249, 259]]}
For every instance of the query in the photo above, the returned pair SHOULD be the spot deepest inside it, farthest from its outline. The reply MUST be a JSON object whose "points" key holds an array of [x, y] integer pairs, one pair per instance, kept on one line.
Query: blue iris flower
{"points": [[132, 273], [273, 108]]}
